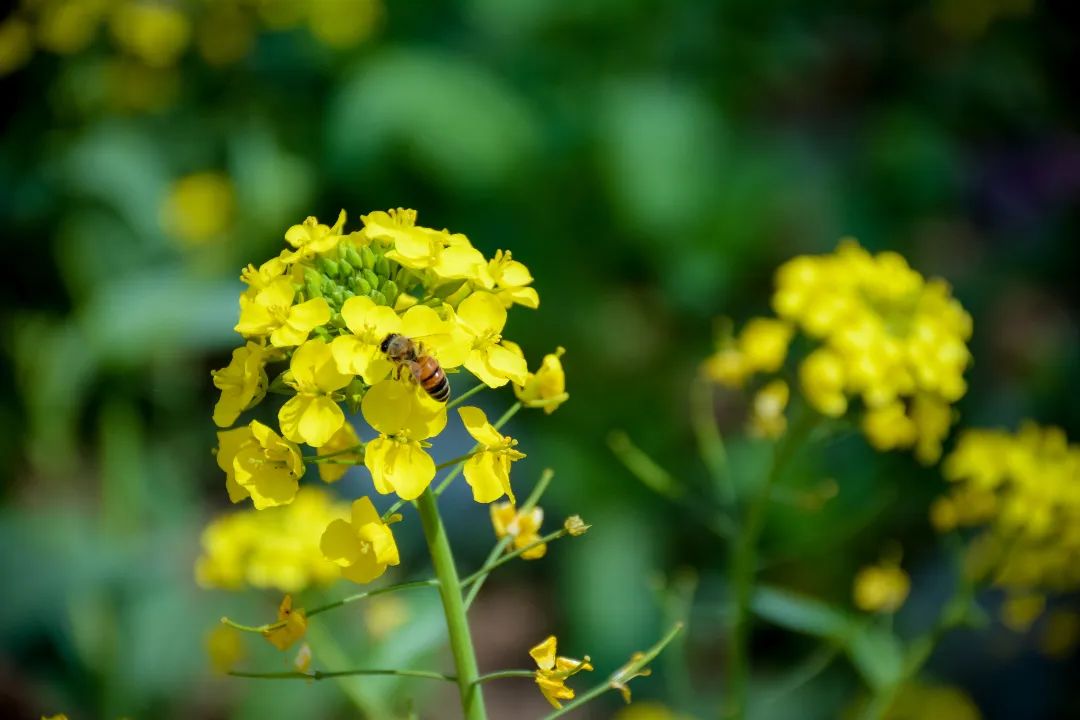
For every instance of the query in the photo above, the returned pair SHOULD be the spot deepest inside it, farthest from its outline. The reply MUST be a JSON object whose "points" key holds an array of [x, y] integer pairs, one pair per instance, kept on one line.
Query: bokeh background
{"points": [[651, 161]]}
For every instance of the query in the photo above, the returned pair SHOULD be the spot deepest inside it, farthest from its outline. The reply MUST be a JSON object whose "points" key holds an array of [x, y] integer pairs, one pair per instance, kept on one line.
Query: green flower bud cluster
{"points": [[349, 271]]}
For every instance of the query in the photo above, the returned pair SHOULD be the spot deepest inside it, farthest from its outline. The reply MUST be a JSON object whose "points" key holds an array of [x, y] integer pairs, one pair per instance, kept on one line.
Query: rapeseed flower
{"points": [[363, 546], [488, 471], [881, 588], [553, 671], [270, 312], [546, 388], [404, 416], [312, 416], [1021, 491], [264, 466], [346, 448], [242, 383], [291, 625], [273, 548], [523, 527]]}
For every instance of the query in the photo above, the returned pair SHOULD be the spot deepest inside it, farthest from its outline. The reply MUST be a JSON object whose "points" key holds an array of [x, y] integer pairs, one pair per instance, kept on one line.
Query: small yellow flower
{"points": [[546, 387], [509, 279], [312, 416], [343, 439], [553, 671], [199, 207], [524, 528], [311, 238], [369, 324], [821, 376], [458, 259], [229, 443], [267, 467], [767, 416], [881, 588], [270, 312], [242, 383], [483, 316], [58, 716], [763, 343], [224, 647], [488, 471], [888, 427], [414, 247], [362, 547], [727, 367], [403, 415], [273, 548], [293, 625]]}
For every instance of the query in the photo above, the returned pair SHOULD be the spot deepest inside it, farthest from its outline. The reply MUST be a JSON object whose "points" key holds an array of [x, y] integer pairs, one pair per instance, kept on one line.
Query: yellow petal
{"points": [[486, 476], [408, 469], [364, 512], [508, 364], [482, 314], [355, 312], [340, 544], [309, 315], [544, 654], [375, 460], [477, 425]]}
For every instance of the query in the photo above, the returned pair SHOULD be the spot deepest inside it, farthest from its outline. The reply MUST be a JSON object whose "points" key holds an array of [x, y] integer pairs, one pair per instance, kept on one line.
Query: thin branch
{"points": [[431, 582], [465, 396], [506, 674], [320, 675], [501, 545], [459, 459], [510, 556]]}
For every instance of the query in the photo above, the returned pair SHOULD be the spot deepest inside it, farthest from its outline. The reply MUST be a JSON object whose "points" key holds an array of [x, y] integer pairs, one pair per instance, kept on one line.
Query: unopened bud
{"points": [[371, 277], [575, 525], [353, 257], [378, 297], [382, 266], [390, 290], [363, 287], [367, 258], [328, 266]]}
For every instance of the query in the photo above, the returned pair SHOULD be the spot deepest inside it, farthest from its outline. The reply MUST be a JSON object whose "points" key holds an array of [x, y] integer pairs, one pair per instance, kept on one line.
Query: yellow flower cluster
{"points": [[275, 548], [1023, 489], [880, 333], [881, 588], [156, 35], [324, 311]]}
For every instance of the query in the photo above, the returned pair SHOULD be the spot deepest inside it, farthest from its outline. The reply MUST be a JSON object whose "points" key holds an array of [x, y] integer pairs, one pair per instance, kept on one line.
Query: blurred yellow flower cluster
{"points": [[1023, 489], [275, 548], [150, 37], [881, 588], [879, 333], [325, 311]]}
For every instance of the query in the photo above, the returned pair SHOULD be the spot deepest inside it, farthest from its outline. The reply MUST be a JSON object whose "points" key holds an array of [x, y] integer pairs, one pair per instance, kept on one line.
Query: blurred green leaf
{"points": [[802, 614]]}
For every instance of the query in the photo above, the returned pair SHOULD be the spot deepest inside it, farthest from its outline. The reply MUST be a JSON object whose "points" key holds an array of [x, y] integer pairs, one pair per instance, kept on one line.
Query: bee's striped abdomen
{"points": [[432, 378]]}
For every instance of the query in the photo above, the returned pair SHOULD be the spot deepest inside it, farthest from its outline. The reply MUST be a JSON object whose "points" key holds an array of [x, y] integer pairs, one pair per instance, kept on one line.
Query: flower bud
{"points": [[390, 290], [353, 257], [378, 297], [575, 525], [372, 278], [363, 287], [382, 266], [328, 266], [367, 258], [313, 286]]}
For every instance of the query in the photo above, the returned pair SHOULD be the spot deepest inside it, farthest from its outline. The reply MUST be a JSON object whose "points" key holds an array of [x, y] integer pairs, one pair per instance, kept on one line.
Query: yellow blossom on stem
{"points": [[344, 439], [242, 383], [311, 238], [764, 342], [881, 588], [488, 471], [270, 312], [553, 671], [546, 387], [369, 324], [821, 376], [404, 416], [524, 528], [483, 316], [362, 547], [888, 427], [767, 416], [458, 259], [413, 246], [267, 467], [293, 625], [312, 416], [229, 443], [509, 279]]}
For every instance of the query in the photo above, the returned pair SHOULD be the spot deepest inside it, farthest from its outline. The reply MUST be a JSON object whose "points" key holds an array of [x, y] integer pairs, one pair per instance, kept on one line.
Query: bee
{"points": [[405, 352]]}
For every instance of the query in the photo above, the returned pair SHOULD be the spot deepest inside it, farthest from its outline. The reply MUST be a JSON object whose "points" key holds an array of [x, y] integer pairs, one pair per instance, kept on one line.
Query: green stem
{"points": [[710, 441], [506, 674], [455, 461], [457, 624], [465, 396], [744, 569], [328, 457], [487, 568], [320, 675], [431, 582], [530, 503], [620, 676]]}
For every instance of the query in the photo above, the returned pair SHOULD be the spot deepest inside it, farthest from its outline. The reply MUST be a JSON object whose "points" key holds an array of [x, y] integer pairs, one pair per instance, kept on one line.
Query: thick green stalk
{"points": [[457, 623]]}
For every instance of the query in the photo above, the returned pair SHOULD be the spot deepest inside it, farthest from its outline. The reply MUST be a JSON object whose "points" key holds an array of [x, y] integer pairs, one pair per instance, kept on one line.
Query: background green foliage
{"points": [[651, 162]]}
